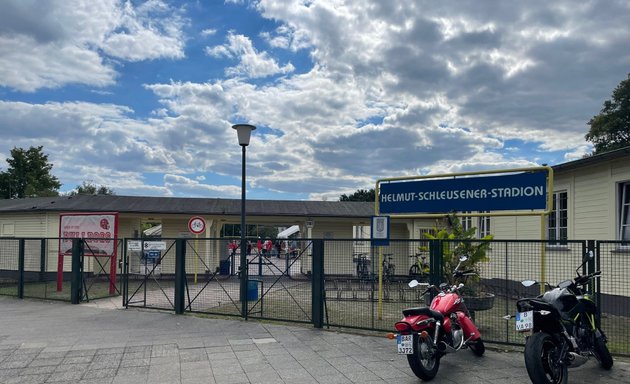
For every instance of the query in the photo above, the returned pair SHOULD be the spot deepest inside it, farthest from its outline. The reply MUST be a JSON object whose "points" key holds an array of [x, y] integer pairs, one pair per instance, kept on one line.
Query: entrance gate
{"points": [[280, 287]]}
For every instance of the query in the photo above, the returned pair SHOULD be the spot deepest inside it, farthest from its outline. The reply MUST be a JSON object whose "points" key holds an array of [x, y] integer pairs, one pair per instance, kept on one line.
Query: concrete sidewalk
{"points": [[44, 342]]}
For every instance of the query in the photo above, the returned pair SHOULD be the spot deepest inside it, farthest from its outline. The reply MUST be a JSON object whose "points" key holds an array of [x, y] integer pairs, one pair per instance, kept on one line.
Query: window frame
{"points": [[556, 217], [623, 210]]}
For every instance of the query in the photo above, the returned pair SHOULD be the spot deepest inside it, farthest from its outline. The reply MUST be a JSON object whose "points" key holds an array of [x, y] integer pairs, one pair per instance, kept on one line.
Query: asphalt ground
{"points": [[98, 342]]}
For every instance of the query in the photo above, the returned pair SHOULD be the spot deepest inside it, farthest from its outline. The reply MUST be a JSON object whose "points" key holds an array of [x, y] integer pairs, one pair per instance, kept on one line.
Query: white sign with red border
{"points": [[196, 225]]}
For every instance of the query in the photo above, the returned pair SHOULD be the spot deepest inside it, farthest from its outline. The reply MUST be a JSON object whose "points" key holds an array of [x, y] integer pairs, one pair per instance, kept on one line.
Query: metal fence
{"points": [[42, 268], [329, 283], [279, 284]]}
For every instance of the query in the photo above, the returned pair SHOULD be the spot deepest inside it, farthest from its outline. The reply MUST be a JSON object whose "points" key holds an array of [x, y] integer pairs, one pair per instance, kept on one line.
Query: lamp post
{"points": [[244, 132]]}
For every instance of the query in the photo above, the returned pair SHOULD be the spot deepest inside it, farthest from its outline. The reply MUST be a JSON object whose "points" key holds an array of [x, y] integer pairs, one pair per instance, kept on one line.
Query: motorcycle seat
{"points": [[423, 311]]}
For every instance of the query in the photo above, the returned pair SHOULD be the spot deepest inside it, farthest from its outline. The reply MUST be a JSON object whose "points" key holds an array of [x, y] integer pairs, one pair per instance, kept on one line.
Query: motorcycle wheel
{"points": [[477, 347], [541, 360], [602, 354], [425, 360]]}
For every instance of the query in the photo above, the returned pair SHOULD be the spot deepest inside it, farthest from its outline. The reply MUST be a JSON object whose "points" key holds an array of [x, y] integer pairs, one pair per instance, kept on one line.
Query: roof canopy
{"points": [[289, 231]]}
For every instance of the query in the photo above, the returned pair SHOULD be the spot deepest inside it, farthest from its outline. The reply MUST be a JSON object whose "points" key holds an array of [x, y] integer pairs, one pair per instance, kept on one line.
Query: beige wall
{"points": [[592, 204]]}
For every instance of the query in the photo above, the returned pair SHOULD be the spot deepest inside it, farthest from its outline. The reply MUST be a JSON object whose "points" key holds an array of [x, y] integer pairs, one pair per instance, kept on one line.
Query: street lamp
{"points": [[244, 132]]}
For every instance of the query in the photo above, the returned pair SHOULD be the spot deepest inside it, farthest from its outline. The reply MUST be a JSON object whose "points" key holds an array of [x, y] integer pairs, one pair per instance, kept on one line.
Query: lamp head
{"points": [[244, 132]]}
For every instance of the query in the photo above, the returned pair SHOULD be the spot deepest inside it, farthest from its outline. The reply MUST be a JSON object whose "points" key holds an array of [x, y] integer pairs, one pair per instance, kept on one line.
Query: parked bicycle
{"points": [[389, 268], [363, 266], [419, 270]]}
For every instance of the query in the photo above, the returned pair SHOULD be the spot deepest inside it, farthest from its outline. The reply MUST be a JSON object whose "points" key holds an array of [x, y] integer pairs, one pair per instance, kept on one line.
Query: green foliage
{"points": [[28, 175], [460, 242], [89, 188], [359, 195], [610, 129]]}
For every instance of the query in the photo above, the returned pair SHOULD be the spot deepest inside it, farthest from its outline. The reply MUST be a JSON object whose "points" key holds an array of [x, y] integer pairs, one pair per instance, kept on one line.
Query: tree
{"points": [[610, 129], [359, 195], [89, 188], [28, 175]]}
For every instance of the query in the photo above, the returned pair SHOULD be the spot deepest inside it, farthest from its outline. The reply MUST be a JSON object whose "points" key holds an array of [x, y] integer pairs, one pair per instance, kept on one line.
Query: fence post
{"points": [[317, 291], [125, 273], [435, 274], [595, 288], [20, 291], [75, 277], [180, 275], [42, 260]]}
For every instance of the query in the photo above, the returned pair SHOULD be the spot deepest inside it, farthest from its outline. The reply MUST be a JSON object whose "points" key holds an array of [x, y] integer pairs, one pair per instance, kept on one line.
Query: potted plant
{"points": [[460, 242]]}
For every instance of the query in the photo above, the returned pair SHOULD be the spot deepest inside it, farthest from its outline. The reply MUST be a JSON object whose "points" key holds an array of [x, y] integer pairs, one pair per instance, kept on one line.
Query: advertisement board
{"points": [[99, 229]]}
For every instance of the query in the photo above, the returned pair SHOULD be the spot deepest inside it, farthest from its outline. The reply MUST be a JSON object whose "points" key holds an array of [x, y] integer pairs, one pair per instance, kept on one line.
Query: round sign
{"points": [[196, 225]]}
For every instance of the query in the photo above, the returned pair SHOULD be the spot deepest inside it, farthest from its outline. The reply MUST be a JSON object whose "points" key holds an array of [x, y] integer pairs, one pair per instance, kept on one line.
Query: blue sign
{"points": [[152, 255], [488, 193]]}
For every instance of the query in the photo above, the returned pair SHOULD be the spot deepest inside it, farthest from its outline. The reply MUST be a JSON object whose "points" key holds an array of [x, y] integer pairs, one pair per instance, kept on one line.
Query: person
{"points": [[278, 248], [249, 247], [259, 246], [232, 246], [293, 248], [267, 248]]}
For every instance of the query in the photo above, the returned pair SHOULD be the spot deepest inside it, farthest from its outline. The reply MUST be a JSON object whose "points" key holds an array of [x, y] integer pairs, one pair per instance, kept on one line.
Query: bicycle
{"points": [[363, 266], [420, 267], [388, 268]]}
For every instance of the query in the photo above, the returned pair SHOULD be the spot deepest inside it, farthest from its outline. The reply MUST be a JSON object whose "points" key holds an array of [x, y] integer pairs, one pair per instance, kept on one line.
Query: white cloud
{"points": [[193, 188], [252, 64], [381, 89], [51, 44], [208, 32]]}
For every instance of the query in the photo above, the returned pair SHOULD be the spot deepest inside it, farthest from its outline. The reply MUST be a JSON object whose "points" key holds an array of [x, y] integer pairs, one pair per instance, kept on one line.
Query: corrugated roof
{"points": [[182, 205]]}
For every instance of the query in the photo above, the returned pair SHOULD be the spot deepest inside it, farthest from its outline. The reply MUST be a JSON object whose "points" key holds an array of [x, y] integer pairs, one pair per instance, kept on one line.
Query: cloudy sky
{"points": [[140, 96]]}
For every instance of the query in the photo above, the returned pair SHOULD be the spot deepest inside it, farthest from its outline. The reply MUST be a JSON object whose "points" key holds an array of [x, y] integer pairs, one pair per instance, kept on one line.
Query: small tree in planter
{"points": [[460, 242]]}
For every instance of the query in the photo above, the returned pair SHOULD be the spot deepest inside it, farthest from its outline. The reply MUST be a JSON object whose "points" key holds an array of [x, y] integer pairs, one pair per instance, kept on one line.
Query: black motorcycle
{"points": [[565, 328]]}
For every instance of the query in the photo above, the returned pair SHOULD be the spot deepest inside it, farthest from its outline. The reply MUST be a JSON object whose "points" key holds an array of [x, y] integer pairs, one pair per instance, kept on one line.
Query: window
{"points": [[558, 219], [483, 228], [483, 224], [624, 212], [467, 221]]}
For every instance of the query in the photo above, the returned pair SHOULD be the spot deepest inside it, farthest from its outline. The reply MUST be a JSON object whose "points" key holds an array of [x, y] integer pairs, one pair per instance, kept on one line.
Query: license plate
{"points": [[405, 344], [524, 321]]}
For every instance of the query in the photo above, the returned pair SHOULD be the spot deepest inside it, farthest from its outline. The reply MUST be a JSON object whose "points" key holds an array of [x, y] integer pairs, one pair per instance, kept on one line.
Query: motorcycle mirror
{"points": [[463, 258], [413, 283], [528, 283]]}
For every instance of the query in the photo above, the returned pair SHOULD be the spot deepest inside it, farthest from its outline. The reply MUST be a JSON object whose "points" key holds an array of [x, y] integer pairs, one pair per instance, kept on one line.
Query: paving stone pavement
{"points": [[54, 342]]}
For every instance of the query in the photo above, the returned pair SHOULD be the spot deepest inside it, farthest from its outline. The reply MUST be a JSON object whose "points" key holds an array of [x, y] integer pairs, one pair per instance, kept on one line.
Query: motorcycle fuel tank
{"points": [[446, 303]]}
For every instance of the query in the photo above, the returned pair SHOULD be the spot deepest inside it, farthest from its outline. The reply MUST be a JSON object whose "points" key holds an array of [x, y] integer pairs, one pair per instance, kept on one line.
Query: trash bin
{"points": [[252, 290], [224, 267]]}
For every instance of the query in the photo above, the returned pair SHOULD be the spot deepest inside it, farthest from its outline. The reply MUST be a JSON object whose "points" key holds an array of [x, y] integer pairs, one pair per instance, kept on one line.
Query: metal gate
{"points": [[279, 285], [148, 273]]}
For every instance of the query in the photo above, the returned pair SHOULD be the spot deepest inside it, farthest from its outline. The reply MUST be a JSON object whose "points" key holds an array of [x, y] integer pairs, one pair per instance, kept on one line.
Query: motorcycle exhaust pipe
{"points": [[445, 348], [575, 360]]}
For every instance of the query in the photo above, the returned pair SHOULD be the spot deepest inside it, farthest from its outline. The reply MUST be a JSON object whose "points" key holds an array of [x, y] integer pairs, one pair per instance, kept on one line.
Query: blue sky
{"points": [[140, 96]]}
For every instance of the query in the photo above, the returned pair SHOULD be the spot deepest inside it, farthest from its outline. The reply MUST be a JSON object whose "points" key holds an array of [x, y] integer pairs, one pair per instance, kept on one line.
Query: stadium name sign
{"points": [[488, 193]]}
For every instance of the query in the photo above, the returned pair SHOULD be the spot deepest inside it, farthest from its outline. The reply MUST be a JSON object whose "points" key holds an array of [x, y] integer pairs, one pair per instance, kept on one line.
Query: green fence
{"points": [[342, 283], [43, 268]]}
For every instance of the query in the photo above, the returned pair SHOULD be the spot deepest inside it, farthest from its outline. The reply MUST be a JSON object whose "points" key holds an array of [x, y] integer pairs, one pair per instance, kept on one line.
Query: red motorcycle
{"points": [[426, 334]]}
